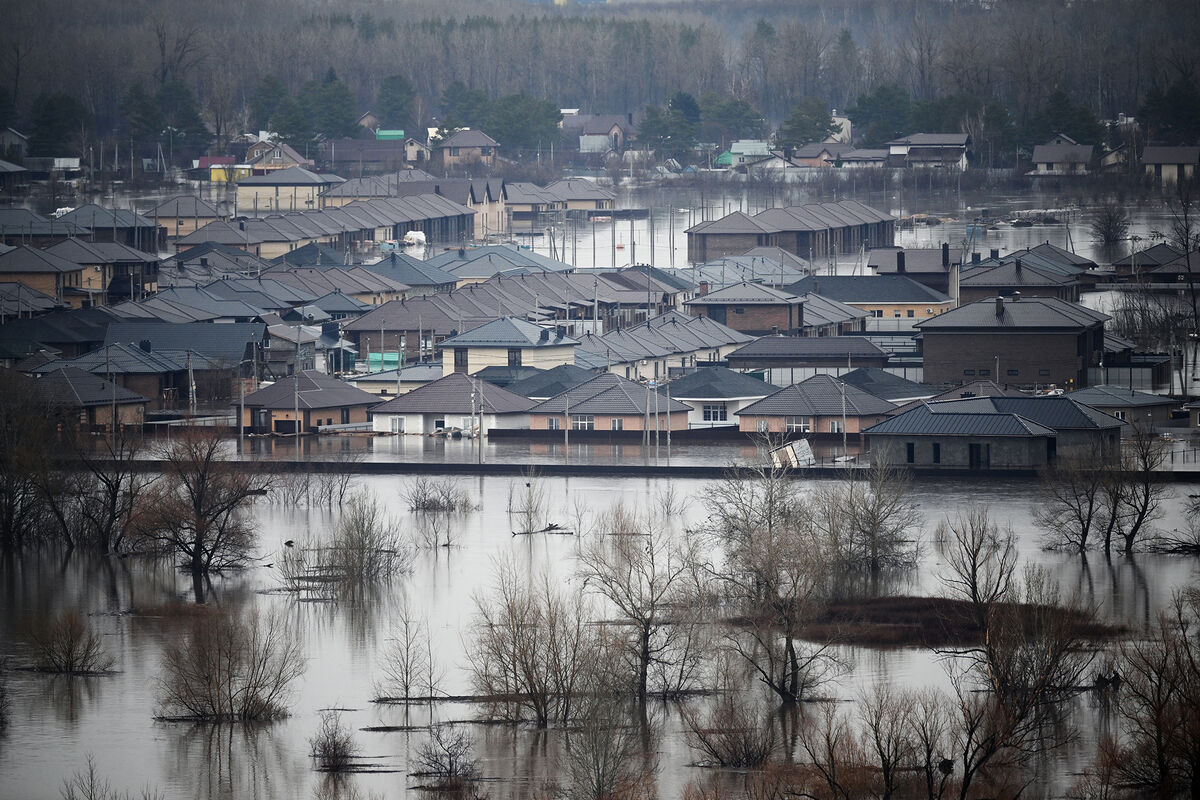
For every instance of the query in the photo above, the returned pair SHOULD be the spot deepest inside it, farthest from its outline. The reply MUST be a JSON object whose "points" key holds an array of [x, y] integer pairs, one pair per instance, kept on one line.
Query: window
{"points": [[969, 373], [910, 313], [739, 311], [460, 359], [1012, 373], [715, 412], [552, 424], [797, 424], [910, 452], [876, 312], [616, 424], [835, 426], [397, 424], [514, 356], [1119, 414], [984, 372], [937, 453], [762, 426], [896, 314], [583, 422], [1043, 373]]}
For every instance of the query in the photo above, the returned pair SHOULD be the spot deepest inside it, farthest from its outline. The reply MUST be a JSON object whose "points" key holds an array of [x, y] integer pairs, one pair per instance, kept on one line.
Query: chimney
{"points": [[995, 253], [774, 330], [703, 289], [900, 262], [1016, 296], [945, 255], [1017, 264], [146, 345], [544, 336], [204, 261], [975, 257], [999, 306]]}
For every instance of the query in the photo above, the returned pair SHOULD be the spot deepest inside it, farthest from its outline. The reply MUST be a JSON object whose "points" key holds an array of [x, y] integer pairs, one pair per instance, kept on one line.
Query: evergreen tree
{"points": [[809, 122], [58, 121], [882, 115], [394, 102], [292, 122], [142, 113], [267, 96]]}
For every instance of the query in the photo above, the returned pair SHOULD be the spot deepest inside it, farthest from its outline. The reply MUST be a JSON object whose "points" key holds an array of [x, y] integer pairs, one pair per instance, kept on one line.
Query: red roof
{"points": [[215, 161]]}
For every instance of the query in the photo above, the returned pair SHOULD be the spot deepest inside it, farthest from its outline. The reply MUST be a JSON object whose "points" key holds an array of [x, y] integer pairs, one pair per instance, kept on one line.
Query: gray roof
{"points": [[17, 299], [923, 421], [1059, 412], [452, 395], [734, 222], [1170, 155], [868, 289], [94, 216], [509, 332], [1028, 312], [225, 343], [74, 388], [980, 388], [185, 206], [505, 376], [609, 394], [309, 389], [818, 396], [24, 259], [718, 383], [292, 176], [1062, 154], [411, 271], [932, 140], [468, 138], [916, 259], [1105, 396], [825, 347], [548, 383], [885, 385], [309, 255], [746, 294], [579, 189], [1161, 253], [819, 310], [413, 373], [130, 359], [1013, 273]]}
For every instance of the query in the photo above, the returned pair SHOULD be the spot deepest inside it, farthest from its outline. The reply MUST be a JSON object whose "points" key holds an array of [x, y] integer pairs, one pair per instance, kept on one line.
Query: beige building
{"points": [[291, 189], [506, 342]]}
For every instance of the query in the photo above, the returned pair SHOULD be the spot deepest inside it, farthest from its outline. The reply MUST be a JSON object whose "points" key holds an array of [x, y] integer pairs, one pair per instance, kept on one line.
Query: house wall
{"points": [[778, 423], [756, 319], [678, 421], [127, 414], [696, 416], [261, 200], [422, 424], [1037, 358], [309, 418], [45, 282], [708, 246], [970, 294], [1006, 452], [178, 227], [480, 357], [900, 310], [1169, 173]]}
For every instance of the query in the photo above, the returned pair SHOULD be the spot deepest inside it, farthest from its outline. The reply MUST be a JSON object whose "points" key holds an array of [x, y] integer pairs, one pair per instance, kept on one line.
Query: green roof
{"points": [[389, 136], [723, 160]]}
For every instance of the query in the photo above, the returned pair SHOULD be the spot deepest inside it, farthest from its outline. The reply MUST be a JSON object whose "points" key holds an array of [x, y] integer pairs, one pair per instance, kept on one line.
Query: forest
{"points": [[192, 76]]}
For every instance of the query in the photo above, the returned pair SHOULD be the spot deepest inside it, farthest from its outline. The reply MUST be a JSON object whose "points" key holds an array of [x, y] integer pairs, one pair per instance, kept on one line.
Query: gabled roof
{"points": [[509, 332], [718, 383], [225, 343], [923, 421], [74, 388], [818, 396], [1059, 412], [467, 138], [130, 359], [94, 253], [412, 373], [1056, 253], [820, 310], [746, 294], [18, 300], [1013, 273], [1026, 313], [505, 376], [885, 385], [932, 140], [980, 388], [292, 176], [823, 347], [609, 394], [411, 271], [94, 216], [579, 189], [1105, 396], [868, 289], [311, 254], [452, 395], [1154, 154], [309, 389], [1154, 255], [185, 205], [1062, 154], [24, 259], [550, 382], [732, 223], [916, 259]]}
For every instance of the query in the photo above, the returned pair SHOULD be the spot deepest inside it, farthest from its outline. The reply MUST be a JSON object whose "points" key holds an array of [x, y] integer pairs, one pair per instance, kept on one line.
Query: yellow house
{"points": [[291, 189], [184, 214], [506, 342], [891, 296], [65, 281]]}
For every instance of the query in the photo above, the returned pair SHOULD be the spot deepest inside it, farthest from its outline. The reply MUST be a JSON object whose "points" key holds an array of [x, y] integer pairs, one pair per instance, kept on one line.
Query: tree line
{"points": [[116, 72]]}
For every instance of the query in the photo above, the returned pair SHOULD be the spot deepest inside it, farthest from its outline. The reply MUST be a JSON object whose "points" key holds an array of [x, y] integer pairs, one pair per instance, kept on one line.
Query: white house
{"points": [[454, 401]]}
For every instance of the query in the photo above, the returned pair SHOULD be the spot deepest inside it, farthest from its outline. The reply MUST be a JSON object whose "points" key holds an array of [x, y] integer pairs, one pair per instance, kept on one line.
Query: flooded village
{"points": [[599, 400]]}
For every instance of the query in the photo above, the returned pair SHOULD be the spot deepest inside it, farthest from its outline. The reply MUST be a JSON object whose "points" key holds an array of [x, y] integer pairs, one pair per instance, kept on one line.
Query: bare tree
{"points": [[410, 668], [66, 644], [1143, 492], [333, 746], [448, 755], [981, 558], [604, 759], [1110, 223], [1072, 500], [197, 510], [532, 648], [871, 522], [885, 737], [231, 669], [733, 733], [642, 569]]}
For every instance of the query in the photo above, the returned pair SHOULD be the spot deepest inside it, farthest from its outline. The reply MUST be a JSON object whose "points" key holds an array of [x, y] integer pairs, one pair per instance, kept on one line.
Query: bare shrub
{"points": [[423, 493], [1110, 223], [731, 734], [330, 487], [231, 669], [527, 504], [449, 756], [333, 746], [604, 759], [869, 522], [66, 644], [367, 547], [291, 488], [89, 785]]}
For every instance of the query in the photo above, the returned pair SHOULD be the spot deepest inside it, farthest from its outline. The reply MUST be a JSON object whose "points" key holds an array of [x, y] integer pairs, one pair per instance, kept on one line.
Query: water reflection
{"points": [[57, 723]]}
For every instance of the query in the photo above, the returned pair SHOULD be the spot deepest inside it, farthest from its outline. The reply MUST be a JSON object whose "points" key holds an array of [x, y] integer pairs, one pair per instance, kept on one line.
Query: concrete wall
{"points": [[1037, 358], [1006, 452]]}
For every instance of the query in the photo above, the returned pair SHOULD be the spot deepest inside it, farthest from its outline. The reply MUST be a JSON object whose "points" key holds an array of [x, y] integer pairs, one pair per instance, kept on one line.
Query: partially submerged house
{"points": [[457, 401], [717, 395], [305, 402], [820, 404]]}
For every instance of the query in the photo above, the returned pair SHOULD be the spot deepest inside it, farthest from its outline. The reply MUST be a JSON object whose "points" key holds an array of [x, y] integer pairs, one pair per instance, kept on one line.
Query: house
{"points": [[507, 341], [887, 386], [393, 382], [99, 403], [529, 206], [884, 297], [601, 133], [453, 401], [810, 231], [14, 145], [64, 280], [317, 398], [792, 358], [717, 395], [228, 344], [1026, 342], [976, 440], [821, 404], [1062, 155], [126, 274], [610, 403], [22, 226], [1013, 277], [1170, 164], [421, 277], [291, 189], [184, 214], [12, 176], [542, 384], [1140, 409], [581, 195], [17, 300], [466, 149], [930, 150], [751, 308], [744, 152], [416, 151], [115, 225], [1140, 260], [825, 317], [267, 156], [862, 158]]}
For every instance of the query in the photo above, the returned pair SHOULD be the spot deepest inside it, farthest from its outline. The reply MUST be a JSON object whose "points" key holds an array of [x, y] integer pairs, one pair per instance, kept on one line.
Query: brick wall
{"points": [[1037, 358]]}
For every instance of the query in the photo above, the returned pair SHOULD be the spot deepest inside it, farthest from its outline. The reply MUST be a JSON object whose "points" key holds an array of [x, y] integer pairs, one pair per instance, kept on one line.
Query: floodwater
{"points": [[57, 722]]}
